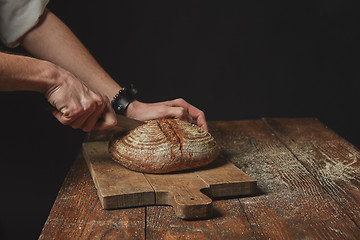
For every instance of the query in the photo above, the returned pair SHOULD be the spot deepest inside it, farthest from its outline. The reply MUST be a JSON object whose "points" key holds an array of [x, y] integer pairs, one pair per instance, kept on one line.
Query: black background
{"points": [[232, 59]]}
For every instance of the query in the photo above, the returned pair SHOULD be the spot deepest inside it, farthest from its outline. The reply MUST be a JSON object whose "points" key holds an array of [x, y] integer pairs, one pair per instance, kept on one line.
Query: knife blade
{"points": [[126, 124]]}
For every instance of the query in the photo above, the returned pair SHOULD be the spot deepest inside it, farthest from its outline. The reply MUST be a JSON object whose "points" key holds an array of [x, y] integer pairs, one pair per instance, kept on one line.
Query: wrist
{"points": [[123, 99], [53, 77], [132, 108]]}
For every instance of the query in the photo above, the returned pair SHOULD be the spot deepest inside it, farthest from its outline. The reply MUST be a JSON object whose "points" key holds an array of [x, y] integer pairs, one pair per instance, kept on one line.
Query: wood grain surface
{"points": [[329, 158], [308, 189], [228, 222], [77, 212]]}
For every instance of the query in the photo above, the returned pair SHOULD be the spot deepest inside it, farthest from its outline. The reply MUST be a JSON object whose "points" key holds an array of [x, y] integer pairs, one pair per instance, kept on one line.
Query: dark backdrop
{"points": [[233, 59]]}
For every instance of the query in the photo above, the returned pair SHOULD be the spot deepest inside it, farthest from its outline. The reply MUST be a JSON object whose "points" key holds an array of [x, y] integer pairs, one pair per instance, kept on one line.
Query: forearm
{"points": [[20, 73], [52, 40]]}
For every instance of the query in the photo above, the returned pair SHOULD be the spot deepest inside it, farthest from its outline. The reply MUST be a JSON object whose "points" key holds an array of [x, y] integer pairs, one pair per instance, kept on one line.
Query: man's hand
{"points": [[177, 108], [76, 105]]}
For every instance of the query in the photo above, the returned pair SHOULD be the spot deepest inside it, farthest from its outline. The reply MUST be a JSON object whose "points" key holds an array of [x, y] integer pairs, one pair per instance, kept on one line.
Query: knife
{"points": [[124, 124]]}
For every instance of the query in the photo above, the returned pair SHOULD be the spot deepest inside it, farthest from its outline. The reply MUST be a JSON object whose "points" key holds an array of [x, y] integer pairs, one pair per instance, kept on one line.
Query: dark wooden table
{"points": [[308, 181]]}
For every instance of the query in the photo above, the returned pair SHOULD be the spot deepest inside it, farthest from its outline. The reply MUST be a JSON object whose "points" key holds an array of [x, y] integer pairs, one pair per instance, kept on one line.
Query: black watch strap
{"points": [[122, 99]]}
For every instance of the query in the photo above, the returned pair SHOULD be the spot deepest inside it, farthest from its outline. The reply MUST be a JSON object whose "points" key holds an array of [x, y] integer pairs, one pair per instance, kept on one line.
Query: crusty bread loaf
{"points": [[165, 145]]}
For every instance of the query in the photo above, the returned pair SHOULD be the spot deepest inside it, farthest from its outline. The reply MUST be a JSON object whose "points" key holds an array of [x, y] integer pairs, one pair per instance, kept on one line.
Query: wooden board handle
{"points": [[188, 204]]}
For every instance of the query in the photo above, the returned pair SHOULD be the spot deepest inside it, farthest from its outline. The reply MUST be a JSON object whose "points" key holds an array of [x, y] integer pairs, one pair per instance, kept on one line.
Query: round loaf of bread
{"points": [[162, 146]]}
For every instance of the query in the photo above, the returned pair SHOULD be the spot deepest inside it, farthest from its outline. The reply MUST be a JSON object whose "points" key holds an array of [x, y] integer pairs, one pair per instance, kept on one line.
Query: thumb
{"points": [[61, 117], [108, 118]]}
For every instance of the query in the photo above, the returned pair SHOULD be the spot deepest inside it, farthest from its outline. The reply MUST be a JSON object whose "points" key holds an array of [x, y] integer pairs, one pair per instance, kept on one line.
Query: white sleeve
{"points": [[17, 17]]}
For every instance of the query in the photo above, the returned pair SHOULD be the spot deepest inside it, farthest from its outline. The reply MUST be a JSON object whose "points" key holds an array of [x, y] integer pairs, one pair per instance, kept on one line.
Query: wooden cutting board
{"points": [[189, 192]]}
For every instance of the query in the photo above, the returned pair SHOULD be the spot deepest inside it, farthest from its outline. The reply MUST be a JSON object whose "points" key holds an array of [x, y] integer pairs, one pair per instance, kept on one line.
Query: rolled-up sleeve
{"points": [[17, 17]]}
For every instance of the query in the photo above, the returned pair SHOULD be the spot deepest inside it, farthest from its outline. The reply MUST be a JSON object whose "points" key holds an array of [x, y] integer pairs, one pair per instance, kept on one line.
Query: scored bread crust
{"points": [[162, 146]]}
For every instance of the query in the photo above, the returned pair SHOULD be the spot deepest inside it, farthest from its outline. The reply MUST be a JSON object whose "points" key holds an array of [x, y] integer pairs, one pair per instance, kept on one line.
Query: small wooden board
{"points": [[189, 192]]}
